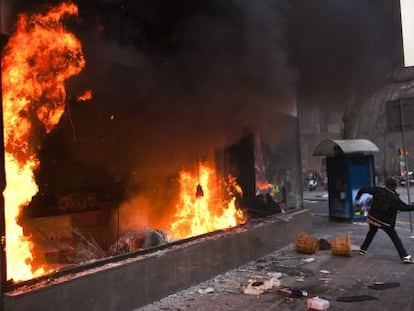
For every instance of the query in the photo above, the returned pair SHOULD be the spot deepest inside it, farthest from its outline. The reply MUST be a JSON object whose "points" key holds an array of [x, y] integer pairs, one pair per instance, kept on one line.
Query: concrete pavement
{"points": [[324, 275]]}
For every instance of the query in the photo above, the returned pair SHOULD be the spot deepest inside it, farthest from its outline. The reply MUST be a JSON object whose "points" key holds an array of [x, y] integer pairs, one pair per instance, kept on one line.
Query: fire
{"points": [[86, 96], [199, 214], [265, 187], [38, 58]]}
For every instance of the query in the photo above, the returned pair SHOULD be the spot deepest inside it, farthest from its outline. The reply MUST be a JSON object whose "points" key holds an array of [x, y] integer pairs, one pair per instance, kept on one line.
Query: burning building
{"points": [[130, 128]]}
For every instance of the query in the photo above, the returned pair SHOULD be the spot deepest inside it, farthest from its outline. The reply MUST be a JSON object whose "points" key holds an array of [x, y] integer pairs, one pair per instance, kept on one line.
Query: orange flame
{"points": [[265, 187], [196, 215], [38, 58], [86, 96]]}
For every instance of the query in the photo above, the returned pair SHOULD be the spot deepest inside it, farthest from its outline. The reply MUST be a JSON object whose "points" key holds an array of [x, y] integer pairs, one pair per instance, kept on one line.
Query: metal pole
{"points": [[299, 151], [407, 180]]}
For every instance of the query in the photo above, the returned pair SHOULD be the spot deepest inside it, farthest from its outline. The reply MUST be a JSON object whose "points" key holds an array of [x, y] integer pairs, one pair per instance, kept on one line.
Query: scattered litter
{"points": [[381, 285], [295, 270], [411, 236], [285, 292], [304, 293], [325, 271], [293, 293], [252, 291], [308, 260], [259, 287], [276, 275], [324, 245], [356, 298], [297, 293], [317, 303], [207, 290]]}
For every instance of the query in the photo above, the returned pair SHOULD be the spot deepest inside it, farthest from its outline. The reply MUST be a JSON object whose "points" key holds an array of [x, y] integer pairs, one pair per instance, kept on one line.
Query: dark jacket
{"points": [[385, 205]]}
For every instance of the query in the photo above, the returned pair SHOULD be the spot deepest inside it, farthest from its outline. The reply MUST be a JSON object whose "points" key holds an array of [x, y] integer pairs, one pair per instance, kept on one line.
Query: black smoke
{"points": [[344, 46], [172, 81], [175, 79]]}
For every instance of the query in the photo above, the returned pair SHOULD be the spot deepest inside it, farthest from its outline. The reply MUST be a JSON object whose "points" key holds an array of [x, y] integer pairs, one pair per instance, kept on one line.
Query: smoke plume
{"points": [[173, 80]]}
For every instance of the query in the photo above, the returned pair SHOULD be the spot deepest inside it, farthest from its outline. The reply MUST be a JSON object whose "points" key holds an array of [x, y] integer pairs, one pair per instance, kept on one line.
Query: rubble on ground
{"points": [[284, 273]]}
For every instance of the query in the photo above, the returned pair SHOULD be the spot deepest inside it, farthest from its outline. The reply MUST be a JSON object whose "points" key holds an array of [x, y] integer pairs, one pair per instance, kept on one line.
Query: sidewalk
{"points": [[326, 276], [315, 195]]}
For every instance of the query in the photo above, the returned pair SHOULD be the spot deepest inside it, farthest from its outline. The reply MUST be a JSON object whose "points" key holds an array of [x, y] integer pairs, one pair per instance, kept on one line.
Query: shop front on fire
{"points": [[113, 156]]}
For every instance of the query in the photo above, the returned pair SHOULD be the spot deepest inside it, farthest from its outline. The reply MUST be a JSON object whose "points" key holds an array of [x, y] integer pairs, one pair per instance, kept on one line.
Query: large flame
{"points": [[38, 58], [198, 213]]}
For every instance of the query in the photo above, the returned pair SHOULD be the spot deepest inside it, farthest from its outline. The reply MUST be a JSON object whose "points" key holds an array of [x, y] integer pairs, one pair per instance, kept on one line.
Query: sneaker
{"points": [[407, 259], [362, 252]]}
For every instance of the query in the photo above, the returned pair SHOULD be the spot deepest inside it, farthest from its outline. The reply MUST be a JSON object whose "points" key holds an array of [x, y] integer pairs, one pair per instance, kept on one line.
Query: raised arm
{"points": [[402, 206]]}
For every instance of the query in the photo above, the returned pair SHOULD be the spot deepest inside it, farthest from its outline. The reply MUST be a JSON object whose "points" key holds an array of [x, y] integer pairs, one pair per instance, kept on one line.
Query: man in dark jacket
{"points": [[385, 205]]}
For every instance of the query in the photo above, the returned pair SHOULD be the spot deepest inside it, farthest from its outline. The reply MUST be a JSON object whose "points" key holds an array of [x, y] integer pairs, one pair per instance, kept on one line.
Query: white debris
{"points": [[255, 287], [354, 247], [308, 260], [276, 275], [207, 290], [317, 303]]}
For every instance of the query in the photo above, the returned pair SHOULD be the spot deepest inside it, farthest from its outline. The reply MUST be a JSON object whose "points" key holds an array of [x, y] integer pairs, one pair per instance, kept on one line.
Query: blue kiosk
{"points": [[349, 166]]}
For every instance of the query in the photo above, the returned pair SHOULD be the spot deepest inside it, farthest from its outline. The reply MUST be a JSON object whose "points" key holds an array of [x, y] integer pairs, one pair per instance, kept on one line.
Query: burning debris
{"points": [[210, 209], [131, 241], [80, 247], [128, 242], [154, 238]]}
